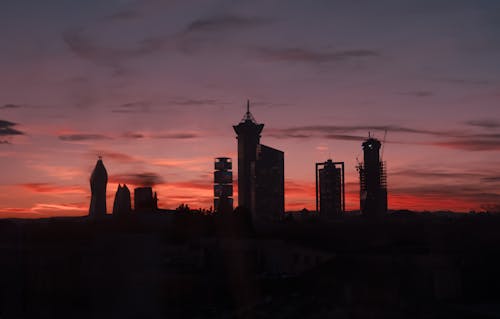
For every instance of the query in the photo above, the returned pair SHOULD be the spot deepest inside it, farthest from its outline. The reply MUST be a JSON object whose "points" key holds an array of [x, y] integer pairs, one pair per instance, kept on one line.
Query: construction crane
{"points": [[383, 145]]}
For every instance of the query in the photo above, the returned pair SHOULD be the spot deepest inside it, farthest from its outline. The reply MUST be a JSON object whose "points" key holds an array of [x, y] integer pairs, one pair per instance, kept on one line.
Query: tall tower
{"points": [[248, 132], [223, 185], [330, 191], [98, 181], [373, 185], [122, 205]]}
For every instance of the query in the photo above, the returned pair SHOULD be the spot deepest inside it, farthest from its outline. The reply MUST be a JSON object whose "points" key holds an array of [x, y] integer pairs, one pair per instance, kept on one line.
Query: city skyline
{"points": [[158, 104]]}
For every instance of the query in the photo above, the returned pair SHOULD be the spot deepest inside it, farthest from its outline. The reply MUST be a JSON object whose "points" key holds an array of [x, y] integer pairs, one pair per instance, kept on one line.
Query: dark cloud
{"points": [[311, 56], [82, 137], [195, 102], [116, 156], [168, 135], [339, 132], [430, 174], [10, 106], [491, 179], [465, 81], [418, 93], [133, 135], [102, 55], [471, 144], [7, 130], [224, 23], [133, 107], [489, 124], [138, 179], [179, 135]]}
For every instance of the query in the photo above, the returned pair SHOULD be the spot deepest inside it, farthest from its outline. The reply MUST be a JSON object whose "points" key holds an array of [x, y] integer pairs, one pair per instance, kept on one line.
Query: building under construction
{"points": [[373, 180], [330, 193]]}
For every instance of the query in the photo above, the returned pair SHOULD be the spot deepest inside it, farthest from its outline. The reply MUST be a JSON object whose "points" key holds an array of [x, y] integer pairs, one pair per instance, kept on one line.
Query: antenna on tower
{"points": [[248, 106]]}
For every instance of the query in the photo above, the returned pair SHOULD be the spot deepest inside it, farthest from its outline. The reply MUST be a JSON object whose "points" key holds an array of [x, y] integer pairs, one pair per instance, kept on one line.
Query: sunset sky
{"points": [[155, 87]]}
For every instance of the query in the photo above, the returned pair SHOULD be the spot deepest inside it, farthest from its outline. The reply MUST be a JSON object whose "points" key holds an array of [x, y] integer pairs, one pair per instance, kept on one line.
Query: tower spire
{"points": [[248, 116]]}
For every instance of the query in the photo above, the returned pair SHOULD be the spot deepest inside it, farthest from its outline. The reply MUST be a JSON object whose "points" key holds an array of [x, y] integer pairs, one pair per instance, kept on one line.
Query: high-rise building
{"points": [[269, 183], [260, 172], [144, 201], [122, 205], [373, 184], [330, 193], [98, 183], [223, 185]]}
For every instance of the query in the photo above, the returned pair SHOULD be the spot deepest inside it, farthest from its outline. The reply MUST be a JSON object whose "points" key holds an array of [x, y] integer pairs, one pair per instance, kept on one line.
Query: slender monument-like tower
{"points": [[248, 132], [98, 181]]}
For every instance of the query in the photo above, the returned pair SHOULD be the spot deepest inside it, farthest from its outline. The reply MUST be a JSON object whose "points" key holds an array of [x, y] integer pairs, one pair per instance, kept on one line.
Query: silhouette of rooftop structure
{"points": [[260, 171], [98, 183]]}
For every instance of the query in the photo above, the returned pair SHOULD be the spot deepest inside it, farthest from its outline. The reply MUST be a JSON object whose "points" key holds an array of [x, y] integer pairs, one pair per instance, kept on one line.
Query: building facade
{"points": [[330, 193], [98, 183], [223, 185], [373, 181], [260, 172], [144, 200]]}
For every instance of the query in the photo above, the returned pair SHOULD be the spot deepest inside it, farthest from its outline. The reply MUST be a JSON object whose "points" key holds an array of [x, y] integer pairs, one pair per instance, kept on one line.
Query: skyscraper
{"points": [[144, 200], [260, 172], [372, 176], [122, 205], [330, 193], [269, 183], [223, 185], [98, 182]]}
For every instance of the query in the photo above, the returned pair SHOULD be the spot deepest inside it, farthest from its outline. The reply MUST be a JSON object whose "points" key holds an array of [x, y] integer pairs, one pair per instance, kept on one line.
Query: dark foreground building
{"points": [[223, 185], [261, 186], [144, 201], [98, 182], [372, 177], [330, 194], [122, 205]]}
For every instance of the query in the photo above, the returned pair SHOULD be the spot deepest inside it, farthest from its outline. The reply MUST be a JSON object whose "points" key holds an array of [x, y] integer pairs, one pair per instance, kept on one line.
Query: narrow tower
{"points": [[373, 188], [98, 181], [223, 185], [248, 132]]}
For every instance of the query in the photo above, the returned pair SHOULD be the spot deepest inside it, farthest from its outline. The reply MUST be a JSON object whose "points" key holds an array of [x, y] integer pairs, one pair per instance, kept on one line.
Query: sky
{"points": [[154, 87]]}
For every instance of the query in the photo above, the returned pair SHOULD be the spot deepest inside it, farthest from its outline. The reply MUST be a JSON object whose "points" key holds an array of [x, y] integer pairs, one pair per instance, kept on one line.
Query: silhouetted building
{"points": [[269, 183], [144, 201], [330, 193], [98, 182], [223, 185], [122, 205], [260, 172], [372, 176]]}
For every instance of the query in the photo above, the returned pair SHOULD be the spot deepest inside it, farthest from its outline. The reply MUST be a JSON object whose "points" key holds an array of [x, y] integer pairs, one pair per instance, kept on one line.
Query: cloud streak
{"points": [[304, 55], [138, 179], [10, 106], [82, 137], [53, 188], [487, 124]]}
